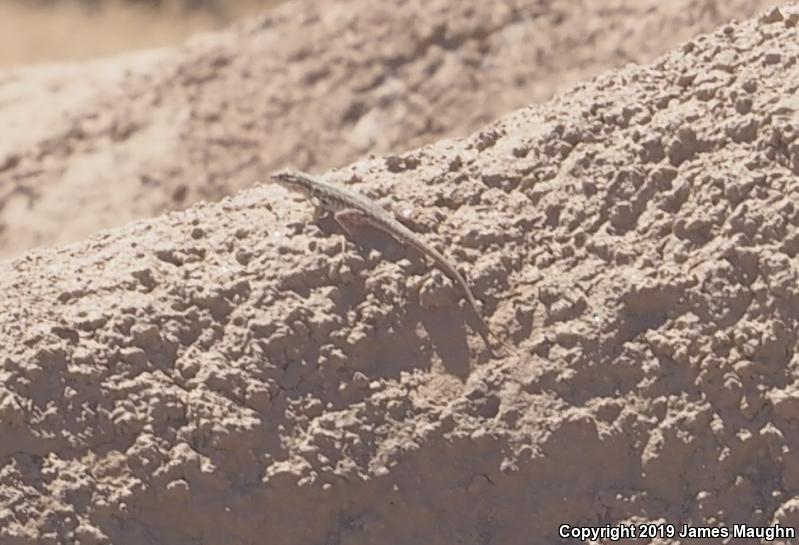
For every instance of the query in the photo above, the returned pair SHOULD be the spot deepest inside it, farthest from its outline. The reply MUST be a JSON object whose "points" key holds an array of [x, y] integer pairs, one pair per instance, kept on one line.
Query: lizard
{"points": [[350, 207]]}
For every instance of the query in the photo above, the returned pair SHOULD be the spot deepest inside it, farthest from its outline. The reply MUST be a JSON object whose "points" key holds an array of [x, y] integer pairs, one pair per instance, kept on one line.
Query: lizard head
{"points": [[294, 181], [321, 194]]}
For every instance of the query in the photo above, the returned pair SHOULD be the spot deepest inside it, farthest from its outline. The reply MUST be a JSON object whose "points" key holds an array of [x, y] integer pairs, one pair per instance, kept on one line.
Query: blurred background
{"points": [[33, 31], [86, 146]]}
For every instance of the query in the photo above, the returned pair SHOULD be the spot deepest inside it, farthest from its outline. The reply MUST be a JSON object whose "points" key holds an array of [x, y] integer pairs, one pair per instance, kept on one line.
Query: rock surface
{"points": [[313, 85], [226, 374]]}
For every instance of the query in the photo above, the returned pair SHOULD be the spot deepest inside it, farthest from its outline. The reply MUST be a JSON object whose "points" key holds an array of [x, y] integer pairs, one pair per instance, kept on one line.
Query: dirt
{"points": [[312, 85], [228, 374]]}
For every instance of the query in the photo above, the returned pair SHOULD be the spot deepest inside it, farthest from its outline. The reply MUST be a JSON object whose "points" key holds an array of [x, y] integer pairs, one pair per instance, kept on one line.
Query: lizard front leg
{"points": [[348, 219], [318, 210]]}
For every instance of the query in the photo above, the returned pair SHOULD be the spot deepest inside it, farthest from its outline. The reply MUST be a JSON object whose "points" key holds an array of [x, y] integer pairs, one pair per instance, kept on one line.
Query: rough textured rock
{"points": [[312, 84], [227, 375]]}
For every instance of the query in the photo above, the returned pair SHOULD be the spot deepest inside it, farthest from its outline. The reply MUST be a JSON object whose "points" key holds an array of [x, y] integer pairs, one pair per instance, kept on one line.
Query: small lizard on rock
{"points": [[350, 207]]}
